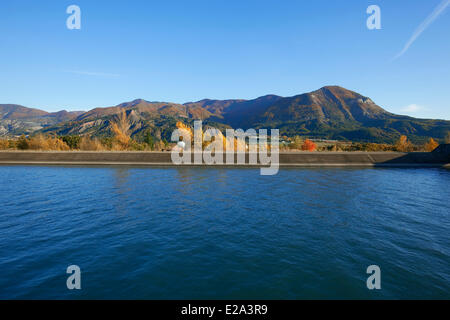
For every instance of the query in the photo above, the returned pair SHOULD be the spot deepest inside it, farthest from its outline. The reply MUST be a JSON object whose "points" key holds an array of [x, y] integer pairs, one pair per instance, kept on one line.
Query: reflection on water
{"points": [[121, 190], [224, 232]]}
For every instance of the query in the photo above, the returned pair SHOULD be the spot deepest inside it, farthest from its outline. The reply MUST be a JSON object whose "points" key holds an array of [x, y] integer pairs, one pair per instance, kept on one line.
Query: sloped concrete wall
{"points": [[437, 158]]}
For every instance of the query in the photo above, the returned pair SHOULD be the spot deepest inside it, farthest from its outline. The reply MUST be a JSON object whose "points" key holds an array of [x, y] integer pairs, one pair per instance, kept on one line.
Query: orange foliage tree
{"points": [[308, 145], [90, 144], [431, 145], [4, 144], [41, 142], [403, 145], [120, 128]]}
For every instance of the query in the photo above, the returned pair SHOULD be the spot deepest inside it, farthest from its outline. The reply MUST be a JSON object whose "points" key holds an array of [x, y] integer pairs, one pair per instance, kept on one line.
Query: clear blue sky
{"points": [[184, 51]]}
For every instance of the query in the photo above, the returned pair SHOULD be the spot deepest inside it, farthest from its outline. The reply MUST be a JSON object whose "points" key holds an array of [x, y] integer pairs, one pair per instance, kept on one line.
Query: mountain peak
{"points": [[337, 91], [331, 112]]}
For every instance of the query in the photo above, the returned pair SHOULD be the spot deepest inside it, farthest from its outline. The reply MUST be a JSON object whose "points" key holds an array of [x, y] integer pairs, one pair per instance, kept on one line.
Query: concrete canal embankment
{"points": [[438, 158]]}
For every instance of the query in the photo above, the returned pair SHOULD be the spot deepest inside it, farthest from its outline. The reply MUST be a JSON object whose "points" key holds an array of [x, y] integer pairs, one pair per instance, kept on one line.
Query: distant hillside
{"points": [[337, 113], [16, 119], [331, 112]]}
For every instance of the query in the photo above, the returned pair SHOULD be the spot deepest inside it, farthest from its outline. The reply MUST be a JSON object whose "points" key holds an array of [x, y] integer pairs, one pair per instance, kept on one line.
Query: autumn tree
{"points": [[159, 145], [41, 142], [55, 143], [431, 145], [38, 142], [4, 144], [308, 145], [90, 144], [403, 145], [121, 128]]}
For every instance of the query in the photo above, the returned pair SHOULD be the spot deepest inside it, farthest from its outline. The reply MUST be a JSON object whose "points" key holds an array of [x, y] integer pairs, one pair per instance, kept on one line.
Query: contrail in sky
{"points": [[424, 25]]}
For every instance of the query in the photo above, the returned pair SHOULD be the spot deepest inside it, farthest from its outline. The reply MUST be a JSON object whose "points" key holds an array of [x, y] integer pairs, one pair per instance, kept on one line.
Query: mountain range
{"points": [[331, 112]]}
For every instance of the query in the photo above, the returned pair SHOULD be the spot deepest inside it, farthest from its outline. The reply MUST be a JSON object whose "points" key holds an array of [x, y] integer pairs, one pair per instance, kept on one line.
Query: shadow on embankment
{"points": [[439, 157]]}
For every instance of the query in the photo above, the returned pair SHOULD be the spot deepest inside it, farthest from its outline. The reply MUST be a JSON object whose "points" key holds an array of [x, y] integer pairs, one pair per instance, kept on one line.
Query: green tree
{"points": [[72, 141], [150, 141], [22, 143], [297, 143]]}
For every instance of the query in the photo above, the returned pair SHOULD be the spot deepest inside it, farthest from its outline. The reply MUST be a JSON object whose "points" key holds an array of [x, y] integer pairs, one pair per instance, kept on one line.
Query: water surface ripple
{"points": [[212, 233]]}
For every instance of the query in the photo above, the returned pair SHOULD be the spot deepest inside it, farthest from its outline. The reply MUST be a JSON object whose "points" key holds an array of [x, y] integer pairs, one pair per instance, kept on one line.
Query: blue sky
{"points": [[184, 51]]}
